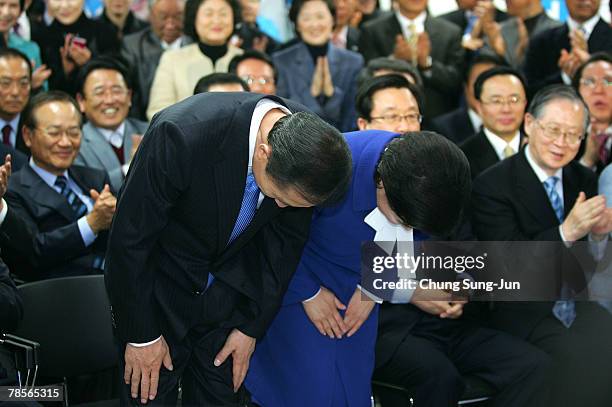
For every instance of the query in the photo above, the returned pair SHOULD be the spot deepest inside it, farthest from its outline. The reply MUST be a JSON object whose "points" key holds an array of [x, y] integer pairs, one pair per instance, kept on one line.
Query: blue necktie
{"points": [[564, 310], [74, 201], [246, 214]]}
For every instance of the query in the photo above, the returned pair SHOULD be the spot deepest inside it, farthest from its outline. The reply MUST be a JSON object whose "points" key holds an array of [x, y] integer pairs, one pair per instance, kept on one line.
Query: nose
{"points": [[64, 140]]}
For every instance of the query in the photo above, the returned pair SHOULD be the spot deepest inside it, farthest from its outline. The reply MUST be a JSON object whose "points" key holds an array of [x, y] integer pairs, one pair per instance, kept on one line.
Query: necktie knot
{"points": [[61, 182], [550, 183], [508, 151], [6, 134]]}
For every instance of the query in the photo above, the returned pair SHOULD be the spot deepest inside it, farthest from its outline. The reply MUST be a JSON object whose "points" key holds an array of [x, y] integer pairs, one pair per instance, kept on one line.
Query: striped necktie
{"points": [[74, 201]]}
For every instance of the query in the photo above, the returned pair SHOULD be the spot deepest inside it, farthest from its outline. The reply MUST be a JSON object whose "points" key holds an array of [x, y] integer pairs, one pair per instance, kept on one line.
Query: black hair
{"points": [[483, 58], [497, 71], [427, 181], [252, 54], [191, 12], [311, 156], [42, 98], [557, 92], [218, 78], [363, 101], [113, 63], [389, 64], [14, 53], [296, 7], [595, 57]]}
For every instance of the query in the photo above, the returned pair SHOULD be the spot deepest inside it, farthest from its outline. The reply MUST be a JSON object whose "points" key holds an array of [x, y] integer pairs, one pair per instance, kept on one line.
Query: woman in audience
{"points": [[592, 81], [211, 24], [315, 72], [70, 41], [9, 13]]}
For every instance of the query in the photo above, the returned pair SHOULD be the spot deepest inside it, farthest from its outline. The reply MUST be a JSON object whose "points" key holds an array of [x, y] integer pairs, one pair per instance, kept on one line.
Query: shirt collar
{"points": [[539, 172], [46, 175], [114, 137], [262, 107], [386, 231], [499, 144], [13, 123], [475, 119], [588, 25], [418, 21], [173, 45]]}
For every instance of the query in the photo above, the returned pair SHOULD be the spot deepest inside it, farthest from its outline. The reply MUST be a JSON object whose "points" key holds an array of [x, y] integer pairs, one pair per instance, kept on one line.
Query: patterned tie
{"points": [[246, 214], [563, 310], [6, 134], [604, 148], [508, 151], [74, 201], [413, 42]]}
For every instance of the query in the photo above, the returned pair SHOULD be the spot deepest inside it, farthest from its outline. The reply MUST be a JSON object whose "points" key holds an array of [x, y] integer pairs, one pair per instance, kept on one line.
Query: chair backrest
{"points": [[70, 318]]}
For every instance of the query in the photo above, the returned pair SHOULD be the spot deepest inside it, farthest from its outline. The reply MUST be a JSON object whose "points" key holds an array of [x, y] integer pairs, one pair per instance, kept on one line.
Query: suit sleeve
{"points": [[157, 177], [11, 308], [281, 245], [367, 44], [446, 75]]}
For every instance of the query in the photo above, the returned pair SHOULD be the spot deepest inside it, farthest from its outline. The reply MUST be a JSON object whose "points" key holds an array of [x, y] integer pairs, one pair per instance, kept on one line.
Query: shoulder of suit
{"points": [[91, 175], [289, 52], [135, 38], [139, 125], [378, 22], [176, 54], [351, 57], [442, 25]]}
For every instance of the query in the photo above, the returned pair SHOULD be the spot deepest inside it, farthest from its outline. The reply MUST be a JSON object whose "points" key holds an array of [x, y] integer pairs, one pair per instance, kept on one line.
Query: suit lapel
{"points": [[100, 147], [571, 189], [599, 36], [489, 157], [128, 130], [44, 195]]}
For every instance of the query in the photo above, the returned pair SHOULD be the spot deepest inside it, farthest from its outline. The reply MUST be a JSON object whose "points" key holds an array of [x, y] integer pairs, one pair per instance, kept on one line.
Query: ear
{"points": [[263, 152], [27, 135], [362, 124], [81, 101], [529, 124], [478, 107]]}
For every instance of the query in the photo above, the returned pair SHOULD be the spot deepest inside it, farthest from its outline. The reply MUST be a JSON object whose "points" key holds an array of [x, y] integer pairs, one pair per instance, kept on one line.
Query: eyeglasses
{"points": [[259, 80], [498, 101], [592, 83], [115, 91], [397, 118], [6, 83], [56, 132], [552, 132]]}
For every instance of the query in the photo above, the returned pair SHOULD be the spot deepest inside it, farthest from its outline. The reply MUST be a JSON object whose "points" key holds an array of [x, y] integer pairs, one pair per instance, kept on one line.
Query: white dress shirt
{"points": [[418, 21], [499, 144]]}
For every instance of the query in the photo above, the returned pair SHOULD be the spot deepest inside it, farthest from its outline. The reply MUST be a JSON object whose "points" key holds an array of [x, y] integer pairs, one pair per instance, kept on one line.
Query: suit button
{"points": [[197, 292]]}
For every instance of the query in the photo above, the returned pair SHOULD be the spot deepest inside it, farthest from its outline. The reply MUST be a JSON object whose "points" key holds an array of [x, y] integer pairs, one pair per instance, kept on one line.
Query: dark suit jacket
{"points": [[11, 308], [443, 83], [19, 159], [545, 48], [479, 152], [295, 69], [40, 232], [455, 125], [352, 39], [458, 18], [510, 204], [174, 218]]}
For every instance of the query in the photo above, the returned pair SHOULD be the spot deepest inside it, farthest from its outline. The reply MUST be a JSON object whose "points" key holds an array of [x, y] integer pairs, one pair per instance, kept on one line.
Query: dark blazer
{"points": [[455, 125], [458, 18], [142, 51], [443, 82], [132, 25], [479, 152], [295, 69], [510, 204], [353, 36], [18, 159], [11, 308], [174, 218], [545, 48], [40, 231]]}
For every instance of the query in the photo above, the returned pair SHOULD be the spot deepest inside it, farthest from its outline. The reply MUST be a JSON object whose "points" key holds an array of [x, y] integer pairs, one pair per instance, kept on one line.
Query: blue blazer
{"points": [[295, 69], [294, 365]]}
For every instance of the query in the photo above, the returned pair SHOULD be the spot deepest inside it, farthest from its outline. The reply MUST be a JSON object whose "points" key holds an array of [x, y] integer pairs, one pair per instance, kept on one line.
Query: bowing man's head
{"points": [[300, 160], [423, 181]]}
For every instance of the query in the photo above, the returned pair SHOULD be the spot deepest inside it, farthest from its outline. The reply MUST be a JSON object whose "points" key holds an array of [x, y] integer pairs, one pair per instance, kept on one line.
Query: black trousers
{"points": [[433, 360], [202, 383]]}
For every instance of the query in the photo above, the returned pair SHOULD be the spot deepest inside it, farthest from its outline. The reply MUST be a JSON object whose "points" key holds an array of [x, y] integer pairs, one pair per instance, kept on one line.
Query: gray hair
{"points": [[557, 92]]}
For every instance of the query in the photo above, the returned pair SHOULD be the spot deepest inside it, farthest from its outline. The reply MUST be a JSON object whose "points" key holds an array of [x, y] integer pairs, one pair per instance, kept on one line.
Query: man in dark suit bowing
{"points": [[209, 229], [500, 102], [58, 213], [541, 194]]}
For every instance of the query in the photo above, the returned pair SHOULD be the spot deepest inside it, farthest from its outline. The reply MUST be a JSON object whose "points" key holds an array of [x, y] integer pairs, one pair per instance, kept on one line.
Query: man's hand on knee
{"points": [[142, 366], [241, 347]]}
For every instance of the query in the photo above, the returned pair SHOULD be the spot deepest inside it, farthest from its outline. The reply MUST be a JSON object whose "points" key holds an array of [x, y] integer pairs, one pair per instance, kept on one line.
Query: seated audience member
{"points": [[542, 194], [368, 10], [257, 70], [119, 19], [385, 65], [248, 35], [70, 41], [110, 139], [210, 23], [463, 122], [593, 82], [389, 102], [15, 85], [555, 54], [500, 102], [142, 50], [9, 13], [431, 44], [58, 213], [316, 73], [345, 35], [220, 82], [512, 38]]}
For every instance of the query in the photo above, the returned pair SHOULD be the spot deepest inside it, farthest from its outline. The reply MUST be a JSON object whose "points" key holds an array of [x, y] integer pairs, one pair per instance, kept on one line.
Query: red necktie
{"points": [[119, 153], [6, 135], [604, 149]]}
